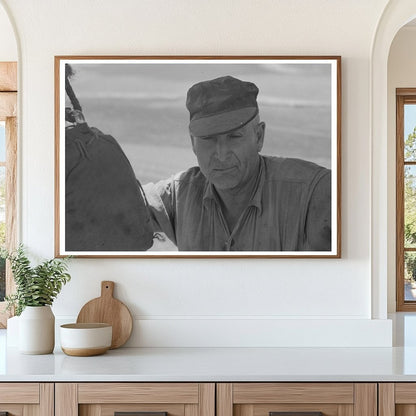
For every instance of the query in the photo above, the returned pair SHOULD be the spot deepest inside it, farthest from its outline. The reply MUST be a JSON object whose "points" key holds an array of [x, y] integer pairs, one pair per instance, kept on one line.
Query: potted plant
{"points": [[36, 289]]}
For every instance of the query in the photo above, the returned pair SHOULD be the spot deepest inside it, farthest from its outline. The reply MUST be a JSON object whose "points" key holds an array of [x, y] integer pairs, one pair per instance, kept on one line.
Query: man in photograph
{"points": [[237, 199]]}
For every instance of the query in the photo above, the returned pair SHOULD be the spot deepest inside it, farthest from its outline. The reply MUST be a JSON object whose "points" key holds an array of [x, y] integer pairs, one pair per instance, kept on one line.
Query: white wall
{"points": [[401, 74], [211, 301], [8, 46]]}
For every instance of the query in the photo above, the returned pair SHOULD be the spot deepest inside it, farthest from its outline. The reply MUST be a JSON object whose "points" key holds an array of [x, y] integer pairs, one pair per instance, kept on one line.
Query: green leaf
{"points": [[35, 286]]}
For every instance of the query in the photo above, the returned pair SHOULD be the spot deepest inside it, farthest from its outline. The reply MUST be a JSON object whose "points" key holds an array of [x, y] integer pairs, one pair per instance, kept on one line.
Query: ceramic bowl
{"points": [[83, 340]]}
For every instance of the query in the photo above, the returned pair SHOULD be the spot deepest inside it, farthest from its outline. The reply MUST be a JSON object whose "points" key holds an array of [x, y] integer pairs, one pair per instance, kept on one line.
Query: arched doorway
{"points": [[396, 14]]}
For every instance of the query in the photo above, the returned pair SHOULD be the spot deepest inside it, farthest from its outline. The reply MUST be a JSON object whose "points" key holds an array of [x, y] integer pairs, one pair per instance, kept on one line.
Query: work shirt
{"points": [[187, 209]]}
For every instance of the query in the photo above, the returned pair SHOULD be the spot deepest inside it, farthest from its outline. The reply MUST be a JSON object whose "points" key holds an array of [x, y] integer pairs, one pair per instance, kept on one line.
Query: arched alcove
{"points": [[396, 14], [401, 73]]}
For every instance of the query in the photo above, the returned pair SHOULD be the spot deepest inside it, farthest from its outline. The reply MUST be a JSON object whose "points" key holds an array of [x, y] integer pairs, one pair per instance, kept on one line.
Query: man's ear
{"points": [[192, 142], [260, 131]]}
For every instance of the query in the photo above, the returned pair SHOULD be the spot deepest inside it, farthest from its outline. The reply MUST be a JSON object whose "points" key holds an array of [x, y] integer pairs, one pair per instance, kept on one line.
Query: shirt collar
{"points": [[210, 194]]}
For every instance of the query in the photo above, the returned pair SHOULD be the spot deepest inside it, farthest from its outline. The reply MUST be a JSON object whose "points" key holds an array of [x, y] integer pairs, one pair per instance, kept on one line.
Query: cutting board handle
{"points": [[107, 288]]}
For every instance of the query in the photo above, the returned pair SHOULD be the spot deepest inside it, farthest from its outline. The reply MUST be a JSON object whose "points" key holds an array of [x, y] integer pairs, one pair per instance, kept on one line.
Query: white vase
{"points": [[37, 330], [12, 333]]}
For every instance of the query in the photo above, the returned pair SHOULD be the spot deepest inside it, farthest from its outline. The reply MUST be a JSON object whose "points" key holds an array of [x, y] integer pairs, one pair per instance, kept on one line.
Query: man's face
{"points": [[230, 160]]}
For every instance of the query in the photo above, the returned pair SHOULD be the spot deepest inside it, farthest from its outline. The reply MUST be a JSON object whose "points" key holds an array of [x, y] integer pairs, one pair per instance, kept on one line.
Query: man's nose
{"points": [[222, 147]]}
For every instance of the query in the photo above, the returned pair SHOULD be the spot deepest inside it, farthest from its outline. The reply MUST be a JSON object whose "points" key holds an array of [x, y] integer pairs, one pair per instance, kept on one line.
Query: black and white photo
{"points": [[198, 157]]}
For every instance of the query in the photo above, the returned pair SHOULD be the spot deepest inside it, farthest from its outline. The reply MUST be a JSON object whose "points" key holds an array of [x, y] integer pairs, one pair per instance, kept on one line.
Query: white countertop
{"points": [[215, 364], [221, 364]]}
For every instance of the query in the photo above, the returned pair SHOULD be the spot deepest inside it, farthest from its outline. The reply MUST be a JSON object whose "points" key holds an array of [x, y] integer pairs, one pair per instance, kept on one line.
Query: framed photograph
{"points": [[197, 156]]}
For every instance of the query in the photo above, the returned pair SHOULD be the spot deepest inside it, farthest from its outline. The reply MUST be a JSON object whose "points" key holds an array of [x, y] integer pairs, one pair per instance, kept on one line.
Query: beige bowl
{"points": [[83, 340]]}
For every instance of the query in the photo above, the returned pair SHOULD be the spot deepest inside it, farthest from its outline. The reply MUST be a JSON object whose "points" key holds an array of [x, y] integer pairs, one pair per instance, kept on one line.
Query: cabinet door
{"points": [[297, 399], [141, 399], [27, 399], [397, 399]]}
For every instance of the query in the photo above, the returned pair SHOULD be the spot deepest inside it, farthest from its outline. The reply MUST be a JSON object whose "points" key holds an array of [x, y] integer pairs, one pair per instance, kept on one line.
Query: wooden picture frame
{"points": [[140, 102]]}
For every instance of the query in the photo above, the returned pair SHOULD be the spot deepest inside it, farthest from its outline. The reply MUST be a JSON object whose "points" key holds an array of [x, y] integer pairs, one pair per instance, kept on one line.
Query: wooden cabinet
{"points": [[105, 399], [27, 399], [331, 399], [207, 399], [397, 399]]}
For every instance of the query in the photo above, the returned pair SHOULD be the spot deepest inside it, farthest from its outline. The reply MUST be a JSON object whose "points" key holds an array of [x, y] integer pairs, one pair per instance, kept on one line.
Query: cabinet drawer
{"points": [[19, 393], [138, 393], [106, 399], [268, 399], [397, 399], [27, 399]]}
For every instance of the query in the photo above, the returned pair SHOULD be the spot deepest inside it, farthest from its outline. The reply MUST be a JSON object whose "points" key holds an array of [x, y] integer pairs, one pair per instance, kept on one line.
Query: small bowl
{"points": [[84, 340]]}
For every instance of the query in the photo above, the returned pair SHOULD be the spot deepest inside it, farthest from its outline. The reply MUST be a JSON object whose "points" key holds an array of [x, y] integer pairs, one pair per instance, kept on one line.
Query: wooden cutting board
{"points": [[111, 311]]}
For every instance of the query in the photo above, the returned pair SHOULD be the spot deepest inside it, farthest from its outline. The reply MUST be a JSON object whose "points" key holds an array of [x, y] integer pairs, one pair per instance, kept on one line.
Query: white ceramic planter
{"points": [[12, 334], [37, 330]]}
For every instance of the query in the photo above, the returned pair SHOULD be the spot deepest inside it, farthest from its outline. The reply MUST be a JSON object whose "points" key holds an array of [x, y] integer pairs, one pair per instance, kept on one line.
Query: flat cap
{"points": [[221, 105]]}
